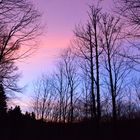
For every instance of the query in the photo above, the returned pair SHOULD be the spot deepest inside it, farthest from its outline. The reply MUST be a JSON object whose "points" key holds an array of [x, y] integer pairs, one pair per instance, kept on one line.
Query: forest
{"points": [[94, 90]]}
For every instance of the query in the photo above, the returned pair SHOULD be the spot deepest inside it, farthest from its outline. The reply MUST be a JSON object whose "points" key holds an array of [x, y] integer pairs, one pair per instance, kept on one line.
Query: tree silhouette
{"points": [[3, 103], [15, 113], [20, 23]]}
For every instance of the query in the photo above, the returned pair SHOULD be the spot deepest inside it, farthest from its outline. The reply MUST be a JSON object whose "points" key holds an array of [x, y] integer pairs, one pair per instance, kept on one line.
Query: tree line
{"points": [[95, 78]]}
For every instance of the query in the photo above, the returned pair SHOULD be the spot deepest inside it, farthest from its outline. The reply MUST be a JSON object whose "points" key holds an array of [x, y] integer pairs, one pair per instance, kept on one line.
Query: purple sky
{"points": [[60, 17]]}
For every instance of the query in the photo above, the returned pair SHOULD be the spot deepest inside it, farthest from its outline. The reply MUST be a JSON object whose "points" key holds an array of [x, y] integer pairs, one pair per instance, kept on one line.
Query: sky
{"points": [[59, 18]]}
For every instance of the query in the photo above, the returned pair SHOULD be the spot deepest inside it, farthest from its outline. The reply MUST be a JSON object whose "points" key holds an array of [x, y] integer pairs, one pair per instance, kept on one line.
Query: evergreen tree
{"points": [[3, 103]]}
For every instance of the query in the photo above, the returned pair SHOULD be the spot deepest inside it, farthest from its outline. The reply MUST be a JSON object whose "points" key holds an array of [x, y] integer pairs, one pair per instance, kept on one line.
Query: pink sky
{"points": [[60, 17]]}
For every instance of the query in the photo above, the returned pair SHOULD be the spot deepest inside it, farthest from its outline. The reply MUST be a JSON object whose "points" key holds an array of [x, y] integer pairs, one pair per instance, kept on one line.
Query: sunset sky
{"points": [[60, 18]]}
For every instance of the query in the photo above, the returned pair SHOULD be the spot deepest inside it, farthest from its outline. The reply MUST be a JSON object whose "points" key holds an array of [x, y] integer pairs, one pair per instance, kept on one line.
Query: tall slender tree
{"points": [[117, 66], [88, 47], [3, 102]]}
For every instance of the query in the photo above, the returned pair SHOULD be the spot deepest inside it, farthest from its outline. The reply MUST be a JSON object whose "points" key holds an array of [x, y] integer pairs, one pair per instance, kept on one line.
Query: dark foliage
{"points": [[3, 104]]}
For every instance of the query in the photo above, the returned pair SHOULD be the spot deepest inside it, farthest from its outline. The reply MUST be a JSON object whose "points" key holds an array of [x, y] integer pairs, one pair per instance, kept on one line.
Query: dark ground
{"points": [[29, 129]]}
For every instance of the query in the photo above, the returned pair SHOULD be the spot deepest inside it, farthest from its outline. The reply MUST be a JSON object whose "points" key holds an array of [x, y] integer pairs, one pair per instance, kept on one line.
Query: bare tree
{"points": [[117, 66], [85, 92], [130, 10], [43, 100], [70, 72], [88, 47], [61, 87], [83, 46], [19, 25], [55, 99]]}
